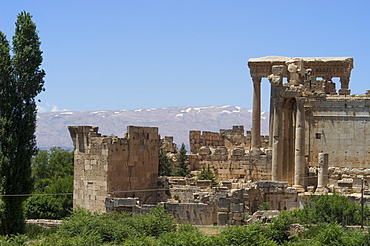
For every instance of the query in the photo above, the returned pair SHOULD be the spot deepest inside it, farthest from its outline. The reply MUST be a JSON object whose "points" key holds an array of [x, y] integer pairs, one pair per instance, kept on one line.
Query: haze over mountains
{"points": [[172, 121]]}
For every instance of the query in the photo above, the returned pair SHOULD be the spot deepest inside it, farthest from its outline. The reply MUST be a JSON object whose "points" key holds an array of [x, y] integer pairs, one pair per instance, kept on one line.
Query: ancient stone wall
{"points": [[115, 167], [339, 126], [90, 186], [205, 138], [226, 137]]}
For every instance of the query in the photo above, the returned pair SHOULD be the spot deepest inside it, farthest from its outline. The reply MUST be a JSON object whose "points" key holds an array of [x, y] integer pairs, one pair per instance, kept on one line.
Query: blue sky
{"points": [[108, 55]]}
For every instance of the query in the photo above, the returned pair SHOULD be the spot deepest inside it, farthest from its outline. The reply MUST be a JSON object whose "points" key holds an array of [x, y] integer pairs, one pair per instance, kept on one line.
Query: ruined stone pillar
{"points": [[276, 80], [271, 120], [277, 140], [300, 161], [323, 179], [256, 117], [344, 82]]}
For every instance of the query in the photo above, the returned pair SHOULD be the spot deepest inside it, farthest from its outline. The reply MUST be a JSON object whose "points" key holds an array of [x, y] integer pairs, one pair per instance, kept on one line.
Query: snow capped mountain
{"points": [[172, 121]]}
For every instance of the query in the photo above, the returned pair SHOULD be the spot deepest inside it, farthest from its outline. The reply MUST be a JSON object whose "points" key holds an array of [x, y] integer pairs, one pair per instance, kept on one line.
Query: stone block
{"points": [[238, 216], [290, 190], [223, 205], [237, 207], [345, 183], [222, 218]]}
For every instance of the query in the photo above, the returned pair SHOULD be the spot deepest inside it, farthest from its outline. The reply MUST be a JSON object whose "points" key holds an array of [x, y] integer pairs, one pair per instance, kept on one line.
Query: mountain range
{"points": [[172, 121]]}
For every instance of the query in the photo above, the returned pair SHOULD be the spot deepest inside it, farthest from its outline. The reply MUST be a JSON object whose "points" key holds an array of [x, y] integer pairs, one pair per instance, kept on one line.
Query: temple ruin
{"points": [[318, 142], [309, 116]]}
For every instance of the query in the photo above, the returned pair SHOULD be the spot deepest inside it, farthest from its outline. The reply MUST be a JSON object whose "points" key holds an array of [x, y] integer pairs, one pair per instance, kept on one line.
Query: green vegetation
{"points": [[21, 80], [165, 165], [181, 168], [207, 174], [158, 228], [334, 208], [52, 172], [264, 206]]}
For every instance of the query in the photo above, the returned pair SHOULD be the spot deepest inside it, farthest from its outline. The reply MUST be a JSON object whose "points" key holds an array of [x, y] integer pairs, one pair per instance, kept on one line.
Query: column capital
{"points": [[300, 100], [256, 79]]}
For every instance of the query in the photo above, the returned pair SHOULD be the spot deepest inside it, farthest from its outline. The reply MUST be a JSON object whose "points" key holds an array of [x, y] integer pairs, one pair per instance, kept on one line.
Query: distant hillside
{"points": [[172, 121]]}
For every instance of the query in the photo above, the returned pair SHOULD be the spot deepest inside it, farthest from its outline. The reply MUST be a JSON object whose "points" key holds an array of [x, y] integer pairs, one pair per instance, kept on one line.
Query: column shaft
{"points": [[256, 116], [300, 161], [271, 120], [322, 179], [277, 140]]}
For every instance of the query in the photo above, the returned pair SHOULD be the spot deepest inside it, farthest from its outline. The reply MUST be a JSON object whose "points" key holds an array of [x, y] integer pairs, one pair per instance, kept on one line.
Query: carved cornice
{"points": [[321, 66]]}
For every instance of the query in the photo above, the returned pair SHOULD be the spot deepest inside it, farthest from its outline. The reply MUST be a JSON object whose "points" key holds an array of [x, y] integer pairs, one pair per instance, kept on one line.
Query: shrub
{"points": [[155, 222], [254, 234], [331, 209], [43, 207], [278, 230], [187, 235], [116, 227]]}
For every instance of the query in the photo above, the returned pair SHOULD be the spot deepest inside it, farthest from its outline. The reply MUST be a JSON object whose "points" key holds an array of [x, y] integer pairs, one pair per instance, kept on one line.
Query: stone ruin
{"points": [[318, 142], [108, 167]]}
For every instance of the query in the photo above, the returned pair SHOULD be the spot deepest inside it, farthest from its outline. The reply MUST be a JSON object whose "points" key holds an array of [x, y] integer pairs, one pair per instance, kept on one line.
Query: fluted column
{"points": [[300, 161], [256, 117], [277, 140]]}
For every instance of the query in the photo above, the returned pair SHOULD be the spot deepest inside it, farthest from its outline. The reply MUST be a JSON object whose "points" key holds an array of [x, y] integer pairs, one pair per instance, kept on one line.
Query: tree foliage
{"points": [[181, 168], [207, 174], [165, 165], [52, 171], [21, 80], [51, 165], [334, 208]]}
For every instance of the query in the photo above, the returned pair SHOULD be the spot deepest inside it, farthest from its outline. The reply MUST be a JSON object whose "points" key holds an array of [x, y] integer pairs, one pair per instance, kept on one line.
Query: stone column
{"points": [[256, 117], [300, 161], [271, 120], [277, 140], [344, 82], [323, 179]]}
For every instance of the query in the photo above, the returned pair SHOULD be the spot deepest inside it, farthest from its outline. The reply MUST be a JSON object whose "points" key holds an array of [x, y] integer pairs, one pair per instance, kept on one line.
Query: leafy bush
{"points": [[154, 223], [332, 234], [117, 227], [278, 230], [331, 209], [188, 235], [254, 234], [43, 207]]}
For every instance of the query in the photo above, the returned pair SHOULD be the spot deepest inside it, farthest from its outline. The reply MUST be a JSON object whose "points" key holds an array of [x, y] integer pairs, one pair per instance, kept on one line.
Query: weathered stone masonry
{"points": [[114, 167]]}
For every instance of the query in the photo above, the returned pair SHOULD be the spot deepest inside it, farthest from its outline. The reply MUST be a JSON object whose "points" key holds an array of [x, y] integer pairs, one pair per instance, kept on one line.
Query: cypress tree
{"points": [[21, 80], [181, 168], [165, 162]]}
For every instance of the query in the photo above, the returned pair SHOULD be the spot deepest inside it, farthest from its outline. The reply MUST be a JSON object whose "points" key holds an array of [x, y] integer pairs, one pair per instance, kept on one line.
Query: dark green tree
{"points": [[182, 162], [21, 80], [207, 174], [52, 171], [165, 165], [50, 165]]}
